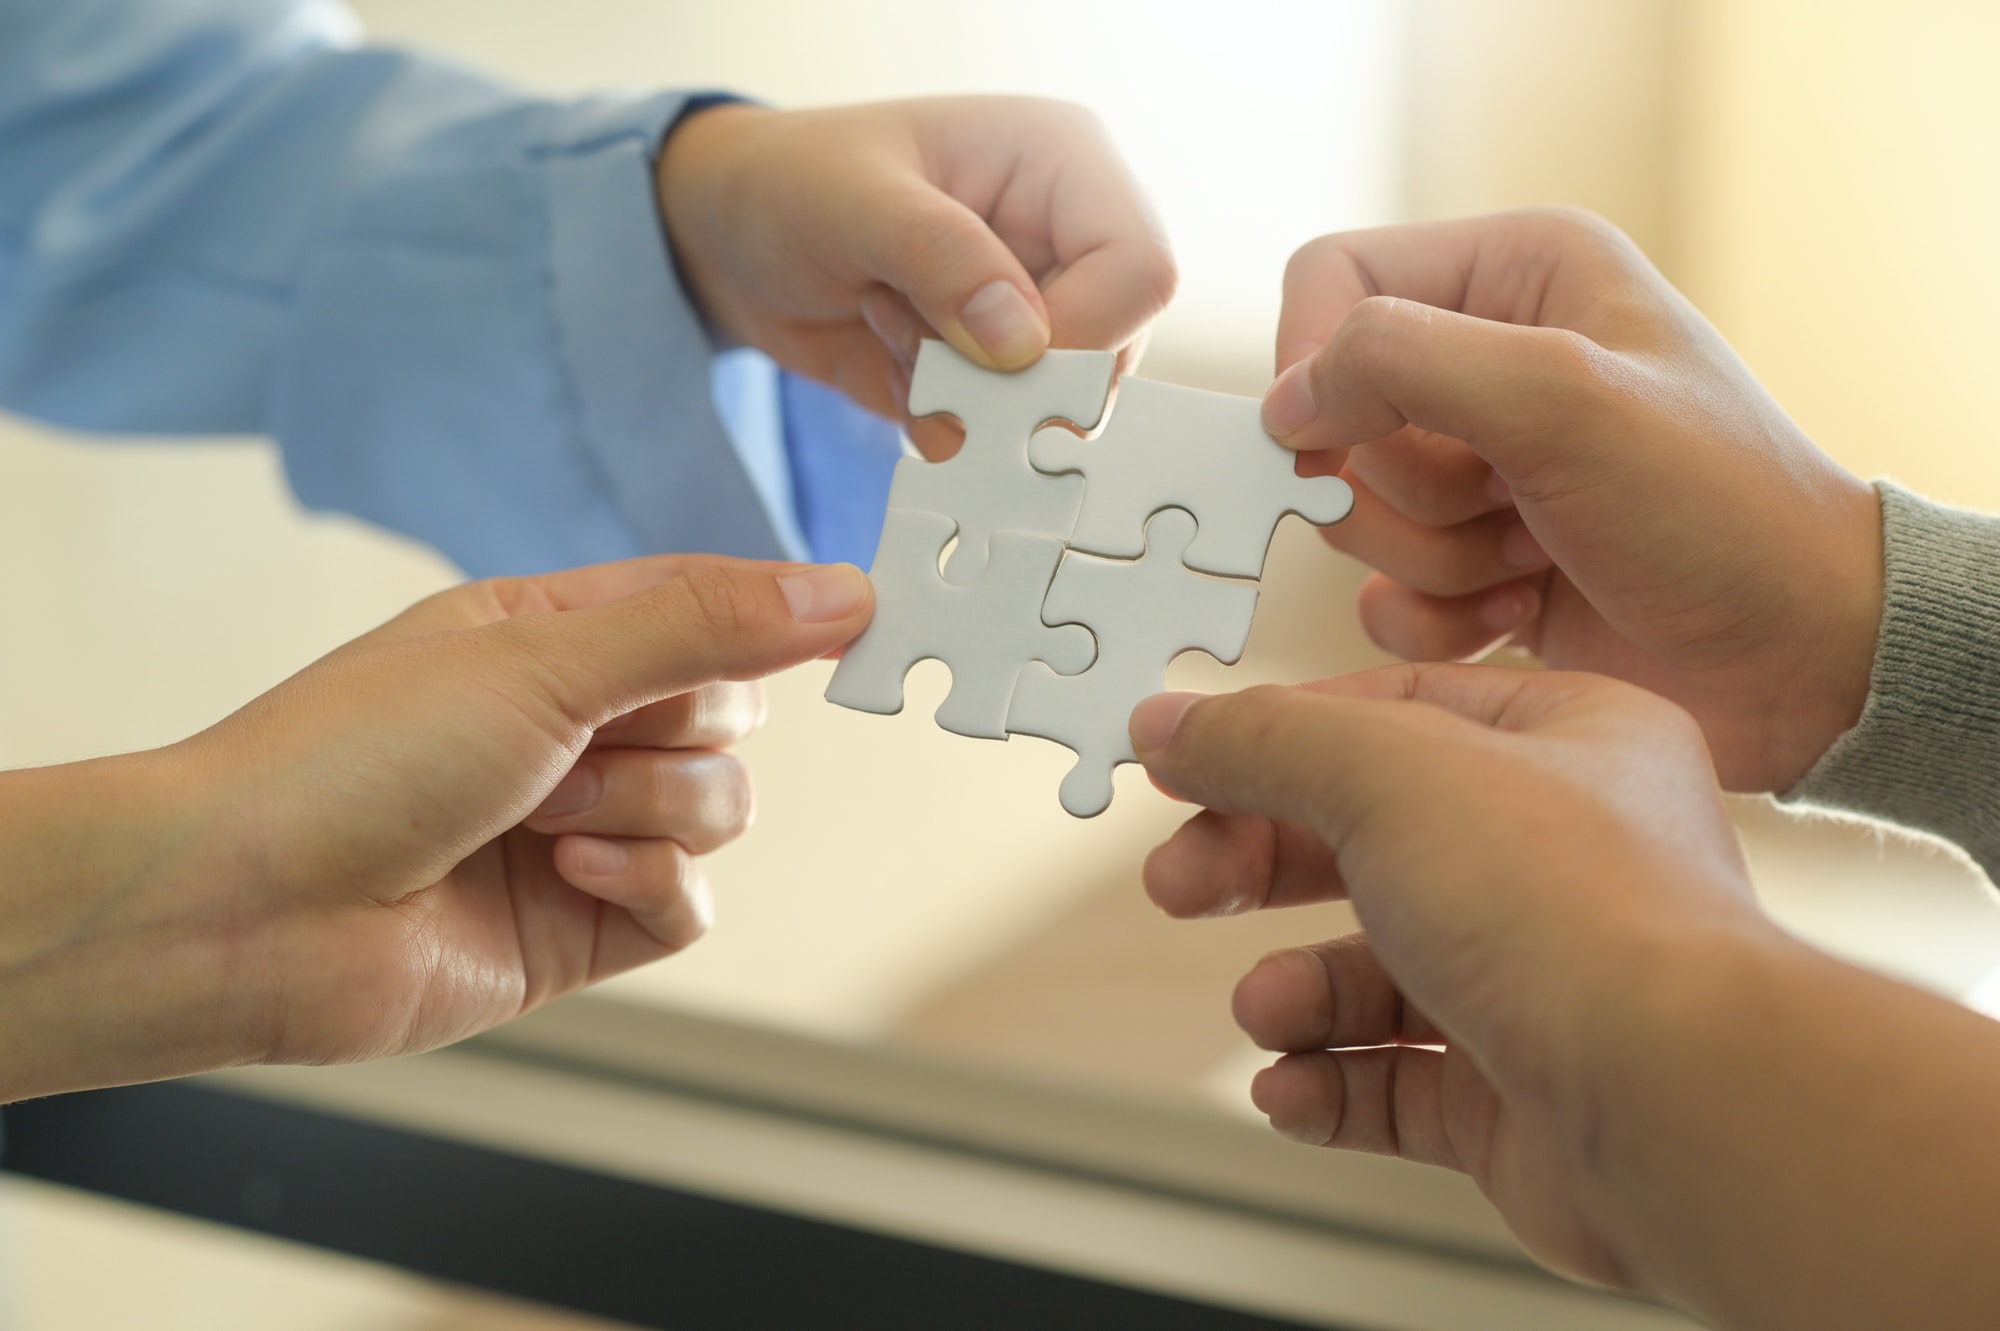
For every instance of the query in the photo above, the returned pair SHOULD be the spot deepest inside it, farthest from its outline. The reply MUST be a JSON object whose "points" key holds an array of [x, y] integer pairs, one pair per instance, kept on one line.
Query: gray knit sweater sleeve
{"points": [[1926, 752]]}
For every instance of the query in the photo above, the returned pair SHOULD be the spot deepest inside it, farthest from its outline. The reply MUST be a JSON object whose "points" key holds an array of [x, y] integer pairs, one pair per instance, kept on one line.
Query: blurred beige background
{"points": [[1823, 179]]}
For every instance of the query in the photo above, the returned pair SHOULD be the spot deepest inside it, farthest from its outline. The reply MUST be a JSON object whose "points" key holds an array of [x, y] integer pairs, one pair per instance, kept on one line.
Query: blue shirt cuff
{"points": [[634, 346]]}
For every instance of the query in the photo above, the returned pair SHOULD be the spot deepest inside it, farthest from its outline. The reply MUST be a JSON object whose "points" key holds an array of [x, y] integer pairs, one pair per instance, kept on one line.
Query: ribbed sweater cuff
{"points": [[1926, 752]]}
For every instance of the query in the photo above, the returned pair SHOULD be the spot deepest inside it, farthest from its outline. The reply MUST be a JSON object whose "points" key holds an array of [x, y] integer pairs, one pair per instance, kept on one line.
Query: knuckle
{"points": [[1159, 273], [936, 233], [511, 596], [1602, 244], [1572, 218], [713, 799], [1311, 258], [519, 662], [1073, 116], [1567, 222], [1391, 313], [725, 783], [730, 712], [681, 885], [662, 786], [676, 869], [756, 706], [1572, 360], [677, 717], [739, 802], [719, 604], [1368, 334], [696, 719], [690, 926]]}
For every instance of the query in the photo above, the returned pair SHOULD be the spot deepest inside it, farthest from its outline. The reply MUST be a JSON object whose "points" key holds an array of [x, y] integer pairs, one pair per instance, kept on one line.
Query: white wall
{"points": [[1839, 199]]}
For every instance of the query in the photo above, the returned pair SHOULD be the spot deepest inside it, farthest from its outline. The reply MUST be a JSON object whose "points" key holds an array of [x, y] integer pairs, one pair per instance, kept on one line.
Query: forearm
{"points": [[114, 965], [1778, 1140], [1926, 753], [450, 302]]}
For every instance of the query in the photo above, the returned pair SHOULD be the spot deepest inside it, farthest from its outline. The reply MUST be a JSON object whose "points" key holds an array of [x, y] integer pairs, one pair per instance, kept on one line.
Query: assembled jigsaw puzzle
{"points": [[1077, 567]]}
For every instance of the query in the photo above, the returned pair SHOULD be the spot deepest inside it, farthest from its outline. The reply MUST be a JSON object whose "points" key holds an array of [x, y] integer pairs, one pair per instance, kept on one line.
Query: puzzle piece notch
{"points": [[988, 486], [985, 632], [1144, 614], [1172, 447]]}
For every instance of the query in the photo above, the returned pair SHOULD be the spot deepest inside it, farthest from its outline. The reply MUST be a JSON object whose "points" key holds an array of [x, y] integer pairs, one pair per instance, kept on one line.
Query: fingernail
{"points": [[1520, 549], [824, 593], [575, 793], [1288, 403], [1155, 720], [1507, 608], [595, 855], [1002, 321]]}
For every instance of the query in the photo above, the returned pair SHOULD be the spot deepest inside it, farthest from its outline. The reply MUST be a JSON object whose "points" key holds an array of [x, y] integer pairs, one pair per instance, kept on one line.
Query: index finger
{"points": [[1326, 278], [1220, 864], [600, 584], [491, 600], [1114, 271], [715, 716], [1537, 266]]}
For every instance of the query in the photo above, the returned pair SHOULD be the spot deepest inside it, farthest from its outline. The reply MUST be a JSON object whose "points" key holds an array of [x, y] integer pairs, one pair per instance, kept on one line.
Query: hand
{"points": [[1512, 841], [1550, 443], [490, 801], [1565, 990], [835, 240]]}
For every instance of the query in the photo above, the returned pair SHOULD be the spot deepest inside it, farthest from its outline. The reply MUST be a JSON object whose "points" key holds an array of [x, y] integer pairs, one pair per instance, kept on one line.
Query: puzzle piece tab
{"points": [[988, 486], [1144, 614], [1169, 446], [985, 632]]}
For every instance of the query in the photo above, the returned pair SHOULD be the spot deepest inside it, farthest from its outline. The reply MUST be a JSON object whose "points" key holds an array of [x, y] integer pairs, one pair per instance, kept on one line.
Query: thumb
{"points": [[1523, 398], [960, 276], [1333, 755], [713, 619]]}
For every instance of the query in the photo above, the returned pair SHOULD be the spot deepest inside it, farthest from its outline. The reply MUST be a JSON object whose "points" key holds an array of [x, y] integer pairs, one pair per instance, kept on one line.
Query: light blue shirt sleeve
{"points": [[450, 303]]}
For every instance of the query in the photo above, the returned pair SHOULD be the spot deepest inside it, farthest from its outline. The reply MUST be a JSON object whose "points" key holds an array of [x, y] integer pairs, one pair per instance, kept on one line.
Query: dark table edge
{"points": [[641, 1253]]}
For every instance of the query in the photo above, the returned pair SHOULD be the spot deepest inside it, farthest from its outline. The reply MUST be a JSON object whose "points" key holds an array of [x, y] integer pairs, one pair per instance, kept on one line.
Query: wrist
{"points": [[1822, 694], [695, 183], [1654, 1077], [117, 954], [1764, 1111]]}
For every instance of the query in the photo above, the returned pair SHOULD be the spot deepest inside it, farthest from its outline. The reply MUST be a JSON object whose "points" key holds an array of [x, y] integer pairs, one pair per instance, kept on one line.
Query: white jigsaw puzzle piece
{"points": [[1143, 614], [1174, 447], [988, 486], [985, 632]]}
